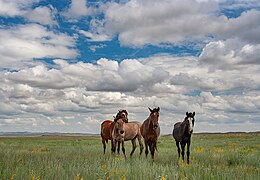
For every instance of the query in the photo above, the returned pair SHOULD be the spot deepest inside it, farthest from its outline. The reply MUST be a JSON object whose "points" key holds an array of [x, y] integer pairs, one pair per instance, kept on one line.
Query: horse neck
{"points": [[185, 127], [149, 122], [150, 125], [112, 125]]}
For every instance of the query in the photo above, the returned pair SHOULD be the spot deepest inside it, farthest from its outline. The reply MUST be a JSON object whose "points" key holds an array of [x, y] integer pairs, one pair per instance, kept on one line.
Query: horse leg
{"points": [[104, 145], [113, 146], [152, 149], [134, 146], [118, 147], [146, 148], [123, 148], [182, 150], [188, 152], [140, 144], [179, 150]]}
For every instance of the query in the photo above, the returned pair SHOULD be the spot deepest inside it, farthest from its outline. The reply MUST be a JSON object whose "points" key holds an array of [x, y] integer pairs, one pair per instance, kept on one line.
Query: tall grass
{"points": [[213, 156]]}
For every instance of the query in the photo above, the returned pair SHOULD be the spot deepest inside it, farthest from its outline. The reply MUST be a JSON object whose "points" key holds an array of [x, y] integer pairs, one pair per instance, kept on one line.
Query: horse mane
{"points": [[189, 115], [185, 125], [118, 116], [123, 110], [154, 110]]}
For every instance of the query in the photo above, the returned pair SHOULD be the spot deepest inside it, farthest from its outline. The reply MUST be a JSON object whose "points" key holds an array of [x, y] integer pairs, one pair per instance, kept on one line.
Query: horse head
{"points": [[124, 114], [190, 121], [119, 127], [154, 117]]}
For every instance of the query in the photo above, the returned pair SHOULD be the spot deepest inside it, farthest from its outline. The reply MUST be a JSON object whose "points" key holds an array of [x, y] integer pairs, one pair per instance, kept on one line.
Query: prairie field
{"points": [[213, 156]]}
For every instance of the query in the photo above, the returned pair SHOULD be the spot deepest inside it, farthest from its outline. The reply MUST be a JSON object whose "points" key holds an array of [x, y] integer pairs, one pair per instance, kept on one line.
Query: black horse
{"points": [[182, 134]]}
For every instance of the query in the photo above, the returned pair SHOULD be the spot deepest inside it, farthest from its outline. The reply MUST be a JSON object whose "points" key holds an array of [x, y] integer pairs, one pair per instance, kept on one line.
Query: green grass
{"points": [[213, 156]]}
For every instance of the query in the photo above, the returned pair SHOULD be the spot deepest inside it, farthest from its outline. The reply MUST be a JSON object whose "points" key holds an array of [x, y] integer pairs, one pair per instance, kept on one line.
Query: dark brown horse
{"points": [[124, 132], [107, 127], [182, 134], [150, 131]]}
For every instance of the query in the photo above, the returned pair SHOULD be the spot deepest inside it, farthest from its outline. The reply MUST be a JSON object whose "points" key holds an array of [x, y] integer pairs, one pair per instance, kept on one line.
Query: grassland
{"points": [[213, 156]]}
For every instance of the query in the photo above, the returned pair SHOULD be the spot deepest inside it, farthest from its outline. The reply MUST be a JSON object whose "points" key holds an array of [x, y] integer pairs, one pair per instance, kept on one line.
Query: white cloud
{"points": [[245, 27], [81, 90], [25, 42], [221, 85], [15, 7], [139, 22], [95, 47], [95, 37], [231, 54], [96, 31], [43, 15], [77, 9]]}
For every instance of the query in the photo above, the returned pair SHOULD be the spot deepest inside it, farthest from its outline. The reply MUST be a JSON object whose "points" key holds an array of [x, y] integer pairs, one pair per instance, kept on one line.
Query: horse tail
{"points": [[106, 140]]}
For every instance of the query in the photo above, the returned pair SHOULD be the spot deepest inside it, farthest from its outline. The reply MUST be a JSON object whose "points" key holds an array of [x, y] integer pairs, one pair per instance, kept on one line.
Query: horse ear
{"points": [[158, 109], [187, 113], [193, 114], [150, 109]]}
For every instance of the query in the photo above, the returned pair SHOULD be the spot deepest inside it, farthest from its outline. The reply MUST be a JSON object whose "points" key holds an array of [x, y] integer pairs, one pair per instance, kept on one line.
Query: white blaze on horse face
{"points": [[124, 114], [190, 124]]}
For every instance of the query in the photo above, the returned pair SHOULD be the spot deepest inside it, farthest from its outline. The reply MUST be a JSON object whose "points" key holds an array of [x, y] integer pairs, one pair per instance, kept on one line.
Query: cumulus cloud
{"points": [[221, 84], [139, 23], [245, 27], [96, 31], [15, 7], [66, 94], [106, 75], [43, 15], [25, 42], [77, 9], [229, 55]]}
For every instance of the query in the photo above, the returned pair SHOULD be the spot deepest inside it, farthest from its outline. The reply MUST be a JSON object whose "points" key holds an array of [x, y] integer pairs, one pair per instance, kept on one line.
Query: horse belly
{"points": [[176, 135]]}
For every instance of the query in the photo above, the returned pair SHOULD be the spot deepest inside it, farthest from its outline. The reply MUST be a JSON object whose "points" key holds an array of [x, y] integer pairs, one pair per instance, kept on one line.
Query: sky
{"points": [[66, 66]]}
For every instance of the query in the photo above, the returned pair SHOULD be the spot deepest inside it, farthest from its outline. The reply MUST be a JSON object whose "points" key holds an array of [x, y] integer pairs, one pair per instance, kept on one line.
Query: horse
{"points": [[124, 132], [182, 132], [150, 131], [107, 128]]}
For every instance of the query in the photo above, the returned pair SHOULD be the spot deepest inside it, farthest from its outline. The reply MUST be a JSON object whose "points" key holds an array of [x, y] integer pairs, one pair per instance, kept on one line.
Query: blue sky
{"points": [[66, 66]]}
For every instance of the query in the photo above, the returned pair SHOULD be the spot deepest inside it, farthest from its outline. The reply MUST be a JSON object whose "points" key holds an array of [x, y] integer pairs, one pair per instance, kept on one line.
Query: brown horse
{"points": [[182, 134], [107, 127], [124, 132], [150, 131]]}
